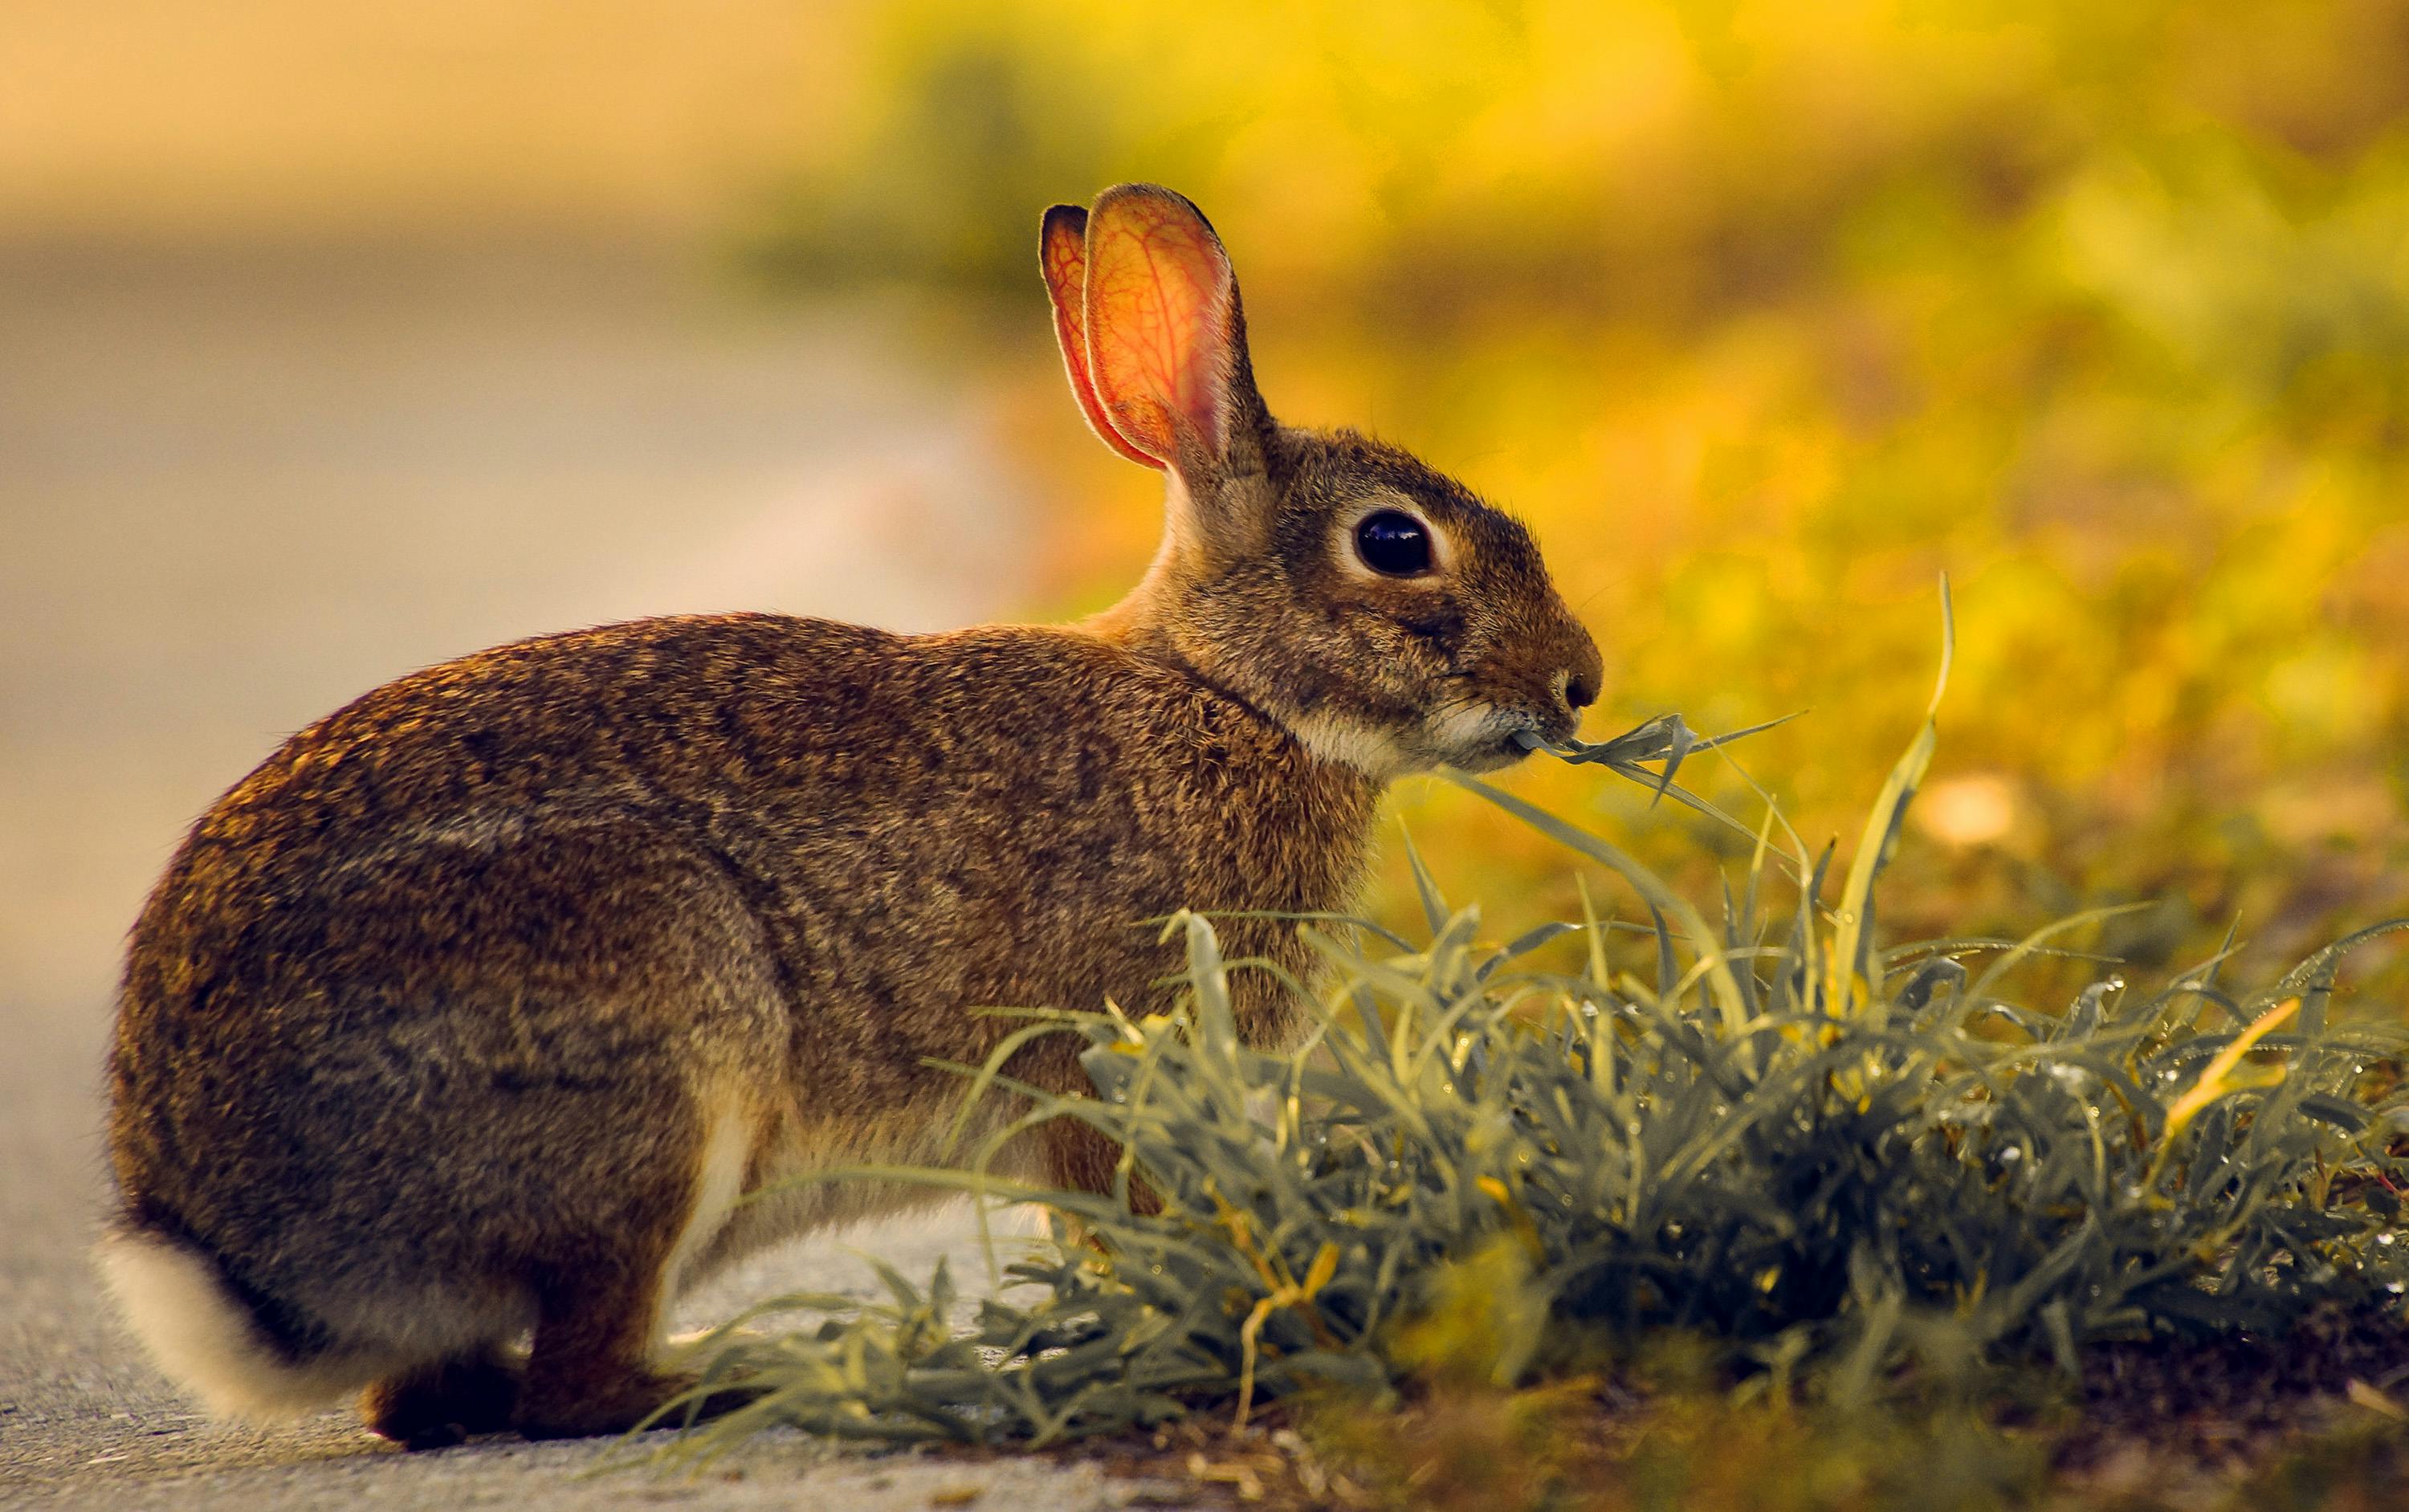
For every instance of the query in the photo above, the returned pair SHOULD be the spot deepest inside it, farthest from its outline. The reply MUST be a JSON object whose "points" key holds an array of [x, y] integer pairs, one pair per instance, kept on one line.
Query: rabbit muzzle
{"points": [[1559, 672], [1486, 736]]}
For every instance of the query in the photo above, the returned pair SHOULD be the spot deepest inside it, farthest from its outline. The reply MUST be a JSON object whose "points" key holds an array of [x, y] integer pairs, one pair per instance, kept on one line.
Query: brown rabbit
{"points": [[471, 1014]]}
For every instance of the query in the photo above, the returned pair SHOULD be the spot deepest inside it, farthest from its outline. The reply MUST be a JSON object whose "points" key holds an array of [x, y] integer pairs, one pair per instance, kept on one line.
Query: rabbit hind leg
{"points": [[600, 1309], [437, 1406], [593, 1369]]}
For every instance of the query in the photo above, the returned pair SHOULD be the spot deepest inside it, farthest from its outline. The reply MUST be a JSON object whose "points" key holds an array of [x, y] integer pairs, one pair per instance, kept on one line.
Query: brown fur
{"points": [[428, 1031]]}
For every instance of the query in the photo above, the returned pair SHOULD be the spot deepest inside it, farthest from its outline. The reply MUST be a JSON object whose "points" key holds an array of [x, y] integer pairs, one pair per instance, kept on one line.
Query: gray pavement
{"points": [[237, 489]]}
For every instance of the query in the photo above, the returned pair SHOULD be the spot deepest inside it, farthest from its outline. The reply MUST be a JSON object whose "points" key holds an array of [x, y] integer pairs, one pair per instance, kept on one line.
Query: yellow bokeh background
{"points": [[1765, 316]]}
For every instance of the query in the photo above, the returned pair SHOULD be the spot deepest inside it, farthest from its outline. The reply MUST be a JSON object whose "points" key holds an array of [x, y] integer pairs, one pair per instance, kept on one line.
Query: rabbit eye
{"points": [[1393, 542]]}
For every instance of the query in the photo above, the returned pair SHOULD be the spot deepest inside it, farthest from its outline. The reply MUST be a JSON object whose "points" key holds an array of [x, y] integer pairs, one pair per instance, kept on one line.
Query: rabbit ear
{"points": [[1166, 348], [1062, 254]]}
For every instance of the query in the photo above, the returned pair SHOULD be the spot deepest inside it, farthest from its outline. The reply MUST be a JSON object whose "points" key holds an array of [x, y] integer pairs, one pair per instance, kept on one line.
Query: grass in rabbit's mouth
{"points": [[1508, 1191]]}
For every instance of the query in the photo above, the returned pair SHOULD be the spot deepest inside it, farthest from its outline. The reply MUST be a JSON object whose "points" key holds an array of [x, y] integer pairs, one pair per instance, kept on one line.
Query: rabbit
{"points": [[476, 1013]]}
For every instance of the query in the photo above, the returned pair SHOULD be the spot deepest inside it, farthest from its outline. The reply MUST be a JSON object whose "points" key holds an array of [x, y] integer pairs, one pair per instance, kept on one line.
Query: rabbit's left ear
{"points": [[1063, 255], [1167, 351]]}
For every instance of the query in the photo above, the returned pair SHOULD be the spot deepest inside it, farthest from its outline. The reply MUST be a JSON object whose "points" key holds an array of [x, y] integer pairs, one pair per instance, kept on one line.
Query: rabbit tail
{"points": [[227, 1347]]}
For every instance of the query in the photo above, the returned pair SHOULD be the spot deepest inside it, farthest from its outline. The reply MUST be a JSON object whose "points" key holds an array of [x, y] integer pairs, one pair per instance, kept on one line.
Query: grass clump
{"points": [[1812, 1165]]}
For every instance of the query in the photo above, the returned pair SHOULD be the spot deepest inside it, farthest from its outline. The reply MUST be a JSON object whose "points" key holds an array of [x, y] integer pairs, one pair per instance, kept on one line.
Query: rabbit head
{"points": [[1372, 605]]}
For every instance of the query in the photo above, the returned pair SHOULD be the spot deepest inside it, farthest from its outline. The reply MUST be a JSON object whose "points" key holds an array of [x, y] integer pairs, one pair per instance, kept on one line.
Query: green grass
{"points": [[1830, 1169]]}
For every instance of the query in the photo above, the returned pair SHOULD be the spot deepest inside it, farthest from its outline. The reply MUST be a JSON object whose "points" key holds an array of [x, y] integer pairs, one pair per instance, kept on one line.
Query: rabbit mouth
{"points": [[1480, 738], [1490, 757], [1487, 739]]}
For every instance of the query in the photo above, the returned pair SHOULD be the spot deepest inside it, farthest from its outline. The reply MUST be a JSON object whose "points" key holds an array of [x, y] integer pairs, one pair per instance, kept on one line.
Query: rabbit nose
{"points": [[1578, 677]]}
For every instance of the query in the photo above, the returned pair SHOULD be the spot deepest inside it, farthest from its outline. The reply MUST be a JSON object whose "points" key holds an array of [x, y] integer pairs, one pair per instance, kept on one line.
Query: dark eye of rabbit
{"points": [[1393, 542]]}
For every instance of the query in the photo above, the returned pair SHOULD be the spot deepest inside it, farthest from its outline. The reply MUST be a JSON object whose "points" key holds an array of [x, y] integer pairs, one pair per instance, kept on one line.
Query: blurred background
{"points": [[336, 340]]}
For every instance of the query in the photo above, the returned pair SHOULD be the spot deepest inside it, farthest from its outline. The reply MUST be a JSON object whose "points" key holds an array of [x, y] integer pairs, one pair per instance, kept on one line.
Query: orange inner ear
{"points": [[1157, 319], [1063, 256]]}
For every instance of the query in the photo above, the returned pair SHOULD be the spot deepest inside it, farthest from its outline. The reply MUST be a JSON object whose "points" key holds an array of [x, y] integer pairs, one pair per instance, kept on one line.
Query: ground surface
{"points": [[239, 489]]}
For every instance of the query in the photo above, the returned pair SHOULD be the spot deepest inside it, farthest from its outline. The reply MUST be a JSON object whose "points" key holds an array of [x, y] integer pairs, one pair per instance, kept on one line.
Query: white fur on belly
{"points": [[727, 1151]]}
